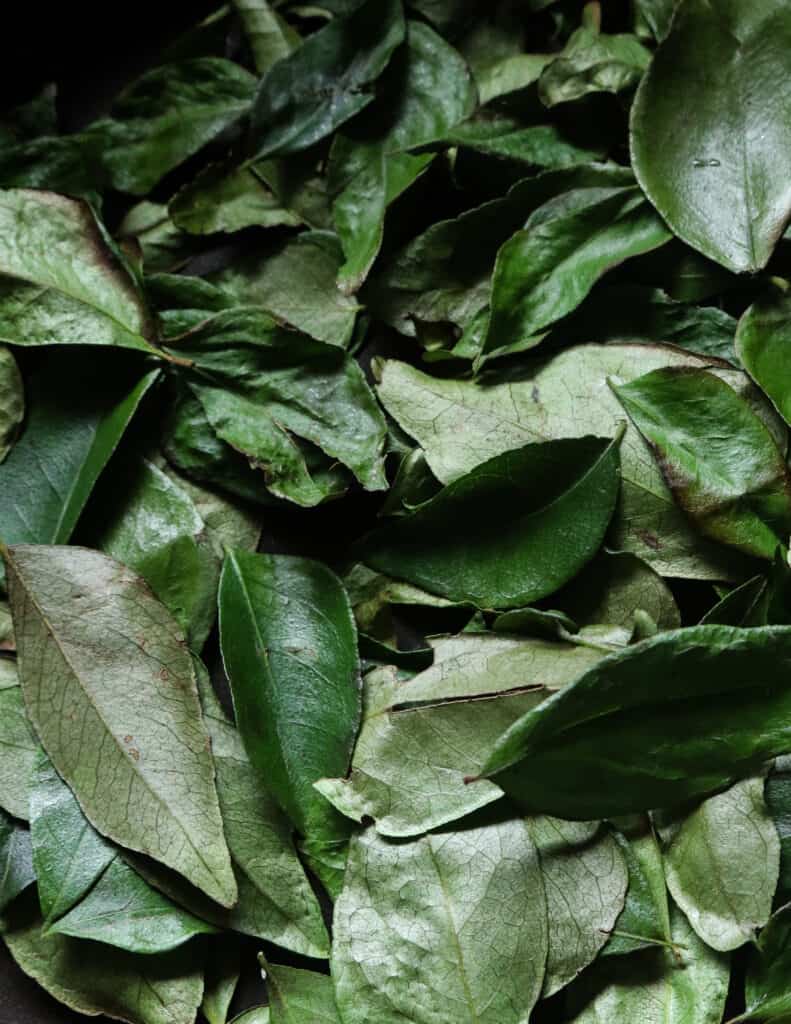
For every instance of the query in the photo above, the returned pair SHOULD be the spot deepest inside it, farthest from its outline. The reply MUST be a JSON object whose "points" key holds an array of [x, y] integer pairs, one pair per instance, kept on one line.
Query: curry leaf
{"points": [[715, 176], [289, 646], [731, 679], [517, 556], [462, 912], [12, 401], [19, 748], [16, 860], [767, 994], [93, 639], [299, 997]]}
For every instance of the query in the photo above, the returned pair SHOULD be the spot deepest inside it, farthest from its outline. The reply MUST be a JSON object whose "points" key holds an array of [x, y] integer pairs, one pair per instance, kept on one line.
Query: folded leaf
{"points": [[722, 862], [679, 715], [93, 639], [327, 80], [714, 171], [719, 460], [761, 341], [78, 414], [540, 513], [69, 855], [63, 281], [289, 645], [127, 986], [447, 929], [592, 61]]}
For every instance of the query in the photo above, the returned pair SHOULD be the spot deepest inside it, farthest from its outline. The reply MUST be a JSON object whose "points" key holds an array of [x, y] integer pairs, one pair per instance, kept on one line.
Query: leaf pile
{"points": [[395, 510]]}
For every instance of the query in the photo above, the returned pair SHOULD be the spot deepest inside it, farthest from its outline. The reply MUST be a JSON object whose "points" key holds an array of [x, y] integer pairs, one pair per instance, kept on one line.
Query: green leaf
{"points": [[777, 793], [223, 970], [257, 1015], [537, 145], [122, 910], [63, 282], [299, 997], [761, 344], [19, 747], [99, 979], [222, 199], [658, 988], [718, 458], [567, 244], [167, 115], [447, 929], [164, 247], [289, 645], [307, 95], [419, 739], [645, 919], [16, 860], [259, 384], [426, 90], [12, 401], [151, 525], [270, 37], [593, 61], [613, 587], [585, 881], [720, 692], [69, 855], [541, 493], [656, 15], [766, 987], [93, 639], [722, 861], [461, 424], [715, 172], [78, 414], [297, 284]]}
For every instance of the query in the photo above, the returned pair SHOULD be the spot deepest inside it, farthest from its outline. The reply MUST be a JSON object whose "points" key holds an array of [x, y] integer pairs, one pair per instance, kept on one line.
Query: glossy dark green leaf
{"points": [[721, 862], [549, 267], [19, 747], [327, 80], [740, 605], [655, 15], [297, 283], [69, 854], [289, 646], [92, 638], [260, 384], [718, 458], [766, 988], [12, 401], [445, 929], [78, 414], [299, 997], [425, 92], [169, 114], [762, 344], [419, 739], [720, 692], [62, 281], [539, 145], [645, 919], [16, 860], [122, 910], [152, 526], [716, 176], [461, 423], [522, 502], [96, 979]]}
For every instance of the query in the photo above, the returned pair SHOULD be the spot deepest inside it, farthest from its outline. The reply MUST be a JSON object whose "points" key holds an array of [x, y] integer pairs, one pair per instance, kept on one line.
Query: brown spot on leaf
{"points": [[649, 539]]}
